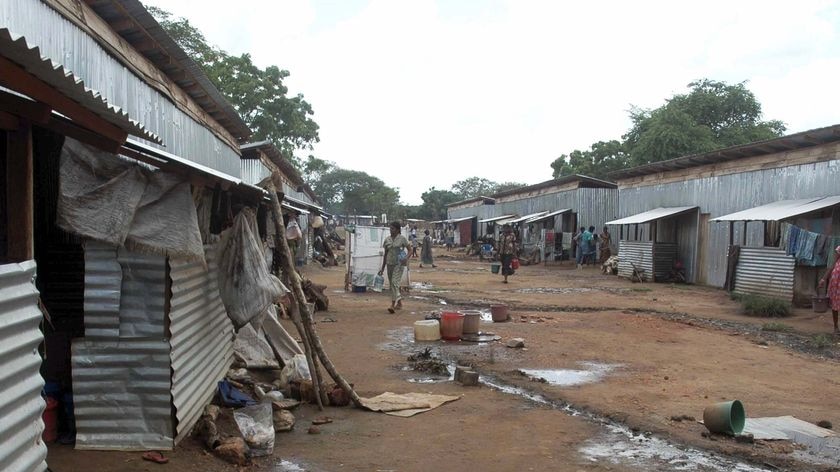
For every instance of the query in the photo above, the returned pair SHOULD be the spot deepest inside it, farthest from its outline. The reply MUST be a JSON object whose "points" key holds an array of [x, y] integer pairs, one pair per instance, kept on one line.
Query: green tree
{"points": [[711, 116], [314, 169], [473, 187], [599, 160], [355, 192], [505, 186], [434, 203], [258, 95]]}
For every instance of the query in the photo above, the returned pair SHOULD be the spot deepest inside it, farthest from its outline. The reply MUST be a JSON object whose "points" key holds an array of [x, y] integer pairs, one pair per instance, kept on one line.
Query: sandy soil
{"points": [[672, 350]]}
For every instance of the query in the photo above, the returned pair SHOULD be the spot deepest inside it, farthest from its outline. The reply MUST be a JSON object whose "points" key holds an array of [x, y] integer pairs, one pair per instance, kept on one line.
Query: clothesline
{"points": [[808, 247]]}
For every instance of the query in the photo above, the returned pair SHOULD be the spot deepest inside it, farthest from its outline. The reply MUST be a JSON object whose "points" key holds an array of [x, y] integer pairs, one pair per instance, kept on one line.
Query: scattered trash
{"points": [[238, 374], [233, 397], [283, 421], [257, 427], [516, 343], [725, 417], [406, 404], [338, 396], [296, 370], [322, 420], [155, 456], [425, 361], [286, 404], [825, 424]]}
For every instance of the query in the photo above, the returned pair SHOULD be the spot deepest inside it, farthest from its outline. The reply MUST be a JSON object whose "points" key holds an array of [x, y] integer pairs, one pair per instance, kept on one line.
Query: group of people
{"points": [[586, 243]]}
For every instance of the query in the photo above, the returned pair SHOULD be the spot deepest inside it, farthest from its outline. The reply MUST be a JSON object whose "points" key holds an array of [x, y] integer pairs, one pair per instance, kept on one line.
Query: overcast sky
{"points": [[424, 93]]}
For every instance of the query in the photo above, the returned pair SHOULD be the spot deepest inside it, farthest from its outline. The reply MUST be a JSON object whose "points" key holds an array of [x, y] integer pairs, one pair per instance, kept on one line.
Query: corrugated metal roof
{"points": [[549, 215], [583, 179], [294, 208], [651, 215], [781, 210], [17, 49], [21, 405], [537, 215], [497, 219], [201, 338], [456, 220]]}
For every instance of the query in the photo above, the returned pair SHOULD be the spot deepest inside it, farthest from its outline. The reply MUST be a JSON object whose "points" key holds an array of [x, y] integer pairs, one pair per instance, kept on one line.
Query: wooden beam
{"points": [[8, 121], [16, 78], [68, 128], [20, 207], [33, 111]]}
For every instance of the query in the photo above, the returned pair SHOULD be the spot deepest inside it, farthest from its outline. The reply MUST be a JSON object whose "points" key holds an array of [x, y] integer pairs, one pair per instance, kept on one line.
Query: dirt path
{"points": [[654, 366]]}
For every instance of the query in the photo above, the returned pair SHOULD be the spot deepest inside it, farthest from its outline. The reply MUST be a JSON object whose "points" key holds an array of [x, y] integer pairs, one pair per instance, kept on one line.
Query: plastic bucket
{"points": [[820, 304], [426, 330], [499, 313], [725, 417], [50, 418], [451, 325], [472, 320], [495, 267]]}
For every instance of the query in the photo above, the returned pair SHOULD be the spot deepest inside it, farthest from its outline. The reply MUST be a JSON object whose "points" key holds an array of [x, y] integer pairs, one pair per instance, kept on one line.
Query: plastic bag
{"points": [[293, 231], [317, 222], [514, 264], [257, 428], [297, 369]]}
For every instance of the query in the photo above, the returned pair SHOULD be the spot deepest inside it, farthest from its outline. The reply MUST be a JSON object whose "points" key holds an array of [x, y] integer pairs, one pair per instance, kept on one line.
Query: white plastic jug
{"points": [[378, 283]]}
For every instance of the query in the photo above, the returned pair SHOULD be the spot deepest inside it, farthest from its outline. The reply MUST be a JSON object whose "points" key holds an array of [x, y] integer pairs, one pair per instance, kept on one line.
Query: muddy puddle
{"points": [[615, 444], [289, 466], [590, 372]]}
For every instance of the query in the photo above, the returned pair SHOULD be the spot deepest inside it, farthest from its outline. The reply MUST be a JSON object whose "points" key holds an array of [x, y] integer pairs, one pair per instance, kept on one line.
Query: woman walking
{"points": [[426, 251], [395, 259], [832, 278], [507, 250]]}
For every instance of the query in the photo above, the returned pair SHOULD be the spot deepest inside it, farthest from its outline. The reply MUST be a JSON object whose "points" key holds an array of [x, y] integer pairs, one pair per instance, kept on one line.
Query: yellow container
{"points": [[427, 330]]}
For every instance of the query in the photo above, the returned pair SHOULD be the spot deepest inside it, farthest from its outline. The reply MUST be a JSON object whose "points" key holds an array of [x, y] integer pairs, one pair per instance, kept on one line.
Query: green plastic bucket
{"points": [[494, 267], [725, 417]]}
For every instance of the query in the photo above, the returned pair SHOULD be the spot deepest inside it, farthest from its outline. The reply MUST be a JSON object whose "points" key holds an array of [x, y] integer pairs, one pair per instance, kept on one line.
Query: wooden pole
{"points": [[307, 348], [20, 195], [297, 290]]}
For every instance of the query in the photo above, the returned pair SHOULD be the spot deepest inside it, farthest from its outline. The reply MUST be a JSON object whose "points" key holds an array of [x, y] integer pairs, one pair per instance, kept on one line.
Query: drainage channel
{"points": [[615, 444]]}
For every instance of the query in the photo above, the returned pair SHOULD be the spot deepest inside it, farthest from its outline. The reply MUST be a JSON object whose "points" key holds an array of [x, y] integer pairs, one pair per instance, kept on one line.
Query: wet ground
{"points": [[618, 361]]}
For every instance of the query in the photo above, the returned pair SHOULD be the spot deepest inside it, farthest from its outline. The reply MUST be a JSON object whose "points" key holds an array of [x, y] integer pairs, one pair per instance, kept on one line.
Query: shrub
{"points": [[822, 341], [754, 305], [774, 326]]}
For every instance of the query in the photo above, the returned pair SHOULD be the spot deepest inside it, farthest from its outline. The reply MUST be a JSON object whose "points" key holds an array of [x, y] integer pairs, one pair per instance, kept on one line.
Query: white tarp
{"points": [[113, 200], [246, 285], [366, 253]]}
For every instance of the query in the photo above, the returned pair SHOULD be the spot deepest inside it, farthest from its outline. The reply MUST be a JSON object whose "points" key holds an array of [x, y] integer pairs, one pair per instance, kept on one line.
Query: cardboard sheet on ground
{"points": [[784, 428], [406, 404]]}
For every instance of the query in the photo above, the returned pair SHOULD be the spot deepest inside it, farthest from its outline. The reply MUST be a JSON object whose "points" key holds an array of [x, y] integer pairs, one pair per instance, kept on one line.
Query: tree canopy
{"points": [[712, 115], [258, 95]]}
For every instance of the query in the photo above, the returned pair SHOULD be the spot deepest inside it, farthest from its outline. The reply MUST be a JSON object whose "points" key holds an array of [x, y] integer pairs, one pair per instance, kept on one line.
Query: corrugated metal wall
{"points": [[64, 43], [765, 271], [721, 195], [121, 394], [638, 253], [103, 279], [201, 338], [715, 258], [121, 375], [253, 171], [21, 405], [755, 234]]}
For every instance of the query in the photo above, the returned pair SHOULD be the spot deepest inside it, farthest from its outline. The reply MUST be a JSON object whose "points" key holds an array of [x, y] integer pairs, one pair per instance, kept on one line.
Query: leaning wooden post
{"points": [[310, 360], [297, 289]]}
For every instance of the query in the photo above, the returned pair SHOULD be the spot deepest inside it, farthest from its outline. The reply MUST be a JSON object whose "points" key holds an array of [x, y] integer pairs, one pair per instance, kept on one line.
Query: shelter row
{"points": [[127, 269]]}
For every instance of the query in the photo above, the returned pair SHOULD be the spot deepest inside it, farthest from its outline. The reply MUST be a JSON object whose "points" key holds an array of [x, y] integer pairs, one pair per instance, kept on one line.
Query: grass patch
{"points": [[776, 327], [640, 289], [822, 341], [754, 305]]}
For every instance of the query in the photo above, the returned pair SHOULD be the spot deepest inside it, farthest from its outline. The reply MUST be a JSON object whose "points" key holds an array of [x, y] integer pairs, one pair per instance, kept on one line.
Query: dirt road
{"points": [[645, 353]]}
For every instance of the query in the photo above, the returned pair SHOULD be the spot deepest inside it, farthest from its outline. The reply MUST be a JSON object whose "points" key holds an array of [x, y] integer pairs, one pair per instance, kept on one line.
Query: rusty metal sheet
{"points": [[765, 271]]}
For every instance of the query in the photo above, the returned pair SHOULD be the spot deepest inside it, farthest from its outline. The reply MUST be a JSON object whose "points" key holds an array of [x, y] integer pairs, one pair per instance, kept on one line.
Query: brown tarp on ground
{"points": [[406, 404]]}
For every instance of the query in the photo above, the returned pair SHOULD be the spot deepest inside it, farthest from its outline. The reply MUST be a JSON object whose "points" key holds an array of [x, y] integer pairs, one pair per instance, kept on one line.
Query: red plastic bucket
{"points": [[50, 418], [451, 325]]}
